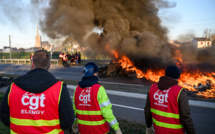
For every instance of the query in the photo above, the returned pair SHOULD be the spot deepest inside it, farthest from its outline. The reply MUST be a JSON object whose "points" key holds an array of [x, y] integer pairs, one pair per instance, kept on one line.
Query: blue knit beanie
{"points": [[173, 72]]}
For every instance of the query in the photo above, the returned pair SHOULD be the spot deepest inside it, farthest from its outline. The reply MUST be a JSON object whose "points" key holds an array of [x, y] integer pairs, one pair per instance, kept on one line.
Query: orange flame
{"points": [[178, 57], [187, 80], [113, 52]]}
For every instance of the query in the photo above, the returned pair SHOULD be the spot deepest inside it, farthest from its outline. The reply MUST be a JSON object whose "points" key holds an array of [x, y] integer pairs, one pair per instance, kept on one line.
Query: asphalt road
{"points": [[70, 73], [128, 108], [73, 73]]}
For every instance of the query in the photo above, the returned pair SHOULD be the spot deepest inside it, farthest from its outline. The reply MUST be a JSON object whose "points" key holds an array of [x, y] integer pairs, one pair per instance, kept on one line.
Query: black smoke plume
{"points": [[131, 27]]}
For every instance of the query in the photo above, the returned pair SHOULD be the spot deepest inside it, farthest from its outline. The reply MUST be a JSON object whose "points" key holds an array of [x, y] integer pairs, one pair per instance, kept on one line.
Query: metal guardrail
{"points": [[19, 61], [53, 61], [24, 61]]}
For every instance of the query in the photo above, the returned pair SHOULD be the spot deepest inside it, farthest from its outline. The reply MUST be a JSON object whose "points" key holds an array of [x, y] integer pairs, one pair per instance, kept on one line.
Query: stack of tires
{"points": [[6, 81]]}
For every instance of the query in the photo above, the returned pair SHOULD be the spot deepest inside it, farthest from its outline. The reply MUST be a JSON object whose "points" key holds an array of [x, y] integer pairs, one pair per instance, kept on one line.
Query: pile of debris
{"points": [[6, 81], [203, 90], [201, 87], [115, 70], [206, 91]]}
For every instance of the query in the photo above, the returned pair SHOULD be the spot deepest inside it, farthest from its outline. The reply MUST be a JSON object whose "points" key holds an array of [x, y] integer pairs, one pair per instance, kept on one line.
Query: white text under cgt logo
{"points": [[161, 97], [33, 102]]}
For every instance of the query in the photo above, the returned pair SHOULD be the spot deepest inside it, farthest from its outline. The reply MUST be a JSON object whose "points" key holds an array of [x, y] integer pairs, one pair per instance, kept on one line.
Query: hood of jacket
{"points": [[88, 81], [36, 81], [166, 82]]}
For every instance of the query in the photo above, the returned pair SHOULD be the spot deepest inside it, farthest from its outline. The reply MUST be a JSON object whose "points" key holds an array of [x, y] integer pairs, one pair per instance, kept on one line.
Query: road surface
{"points": [[128, 108]]}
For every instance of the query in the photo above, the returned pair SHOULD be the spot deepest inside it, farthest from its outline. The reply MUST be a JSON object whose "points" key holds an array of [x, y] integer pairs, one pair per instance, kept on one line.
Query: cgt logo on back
{"points": [[33, 102], [161, 97], [85, 97]]}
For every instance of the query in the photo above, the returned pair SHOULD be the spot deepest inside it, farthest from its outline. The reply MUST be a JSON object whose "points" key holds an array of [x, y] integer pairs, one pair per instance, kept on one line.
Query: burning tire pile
{"points": [[206, 91], [5, 81], [114, 70], [197, 86]]}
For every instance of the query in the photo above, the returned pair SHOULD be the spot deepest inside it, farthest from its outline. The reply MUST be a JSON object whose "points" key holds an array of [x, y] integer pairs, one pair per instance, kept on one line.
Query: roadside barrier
{"points": [[24, 61], [53, 61]]}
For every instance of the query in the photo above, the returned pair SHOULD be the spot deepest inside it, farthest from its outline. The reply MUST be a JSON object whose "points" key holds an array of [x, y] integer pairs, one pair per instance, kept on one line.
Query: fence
{"points": [[54, 55], [23, 55], [24, 58], [24, 61], [53, 61]]}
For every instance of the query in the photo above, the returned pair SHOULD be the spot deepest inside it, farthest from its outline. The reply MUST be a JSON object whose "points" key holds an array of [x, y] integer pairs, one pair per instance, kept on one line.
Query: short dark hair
{"points": [[41, 59]]}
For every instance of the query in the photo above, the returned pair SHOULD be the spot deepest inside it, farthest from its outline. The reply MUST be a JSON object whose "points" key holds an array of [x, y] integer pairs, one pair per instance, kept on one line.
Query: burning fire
{"points": [[129, 66], [178, 57], [187, 80]]}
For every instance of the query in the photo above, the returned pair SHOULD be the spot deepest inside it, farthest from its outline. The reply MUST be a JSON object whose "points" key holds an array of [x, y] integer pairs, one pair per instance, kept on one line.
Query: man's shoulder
{"points": [[178, 87], [98, 85]]}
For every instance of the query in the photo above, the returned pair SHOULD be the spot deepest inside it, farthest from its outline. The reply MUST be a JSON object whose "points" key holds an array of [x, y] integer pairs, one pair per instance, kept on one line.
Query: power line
{"points": [[191, 28], [195, 28], [184, 25], [194, 22], [198, 23], [199, 20]]}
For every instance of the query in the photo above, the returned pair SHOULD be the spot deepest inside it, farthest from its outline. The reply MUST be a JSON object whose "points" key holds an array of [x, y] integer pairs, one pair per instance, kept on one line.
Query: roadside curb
{"points": [[143, 96]]}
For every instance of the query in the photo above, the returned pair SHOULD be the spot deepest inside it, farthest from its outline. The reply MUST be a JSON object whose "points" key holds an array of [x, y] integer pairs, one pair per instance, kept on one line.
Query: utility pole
{"points": [[10, 47]]}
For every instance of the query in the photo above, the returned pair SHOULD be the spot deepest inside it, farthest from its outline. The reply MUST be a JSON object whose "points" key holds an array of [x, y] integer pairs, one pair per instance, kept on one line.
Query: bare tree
{"points": [[21, 50], [68, 43], [210, 34], [213, 39], [207, 33]]}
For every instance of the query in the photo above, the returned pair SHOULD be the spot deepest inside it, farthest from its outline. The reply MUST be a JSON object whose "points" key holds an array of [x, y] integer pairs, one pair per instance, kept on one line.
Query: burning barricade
{"points": [[196, 84], [201, 87], [115, 70]]}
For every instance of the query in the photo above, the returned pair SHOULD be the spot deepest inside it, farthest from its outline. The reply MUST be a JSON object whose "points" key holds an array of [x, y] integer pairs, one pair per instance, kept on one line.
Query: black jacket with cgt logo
{"points": [[37, 81]]}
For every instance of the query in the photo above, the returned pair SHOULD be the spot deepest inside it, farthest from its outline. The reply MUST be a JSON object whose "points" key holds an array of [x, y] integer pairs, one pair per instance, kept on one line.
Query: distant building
{"points": [[201, 42], [32, 49], [47, 46], [6, 49], [39, 44], [38, 39]]}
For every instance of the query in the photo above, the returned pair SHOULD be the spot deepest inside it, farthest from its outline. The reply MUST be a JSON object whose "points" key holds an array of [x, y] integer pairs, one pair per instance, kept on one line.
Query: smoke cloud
{"points": [[18, 13], [131, 27], [193, 55], [11, 11], [187, 37]]}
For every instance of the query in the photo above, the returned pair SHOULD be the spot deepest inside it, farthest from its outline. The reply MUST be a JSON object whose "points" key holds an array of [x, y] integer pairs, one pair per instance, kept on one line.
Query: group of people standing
{"points": [[39, 103], [66, 59]]}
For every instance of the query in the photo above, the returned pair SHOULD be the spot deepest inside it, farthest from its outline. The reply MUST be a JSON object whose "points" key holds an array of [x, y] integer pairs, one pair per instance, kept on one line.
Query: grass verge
{"points": [[3, 129], [128, 127]]}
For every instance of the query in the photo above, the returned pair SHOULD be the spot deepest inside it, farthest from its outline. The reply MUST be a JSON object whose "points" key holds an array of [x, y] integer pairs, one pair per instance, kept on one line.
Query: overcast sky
{"points": [[20, 19]]}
